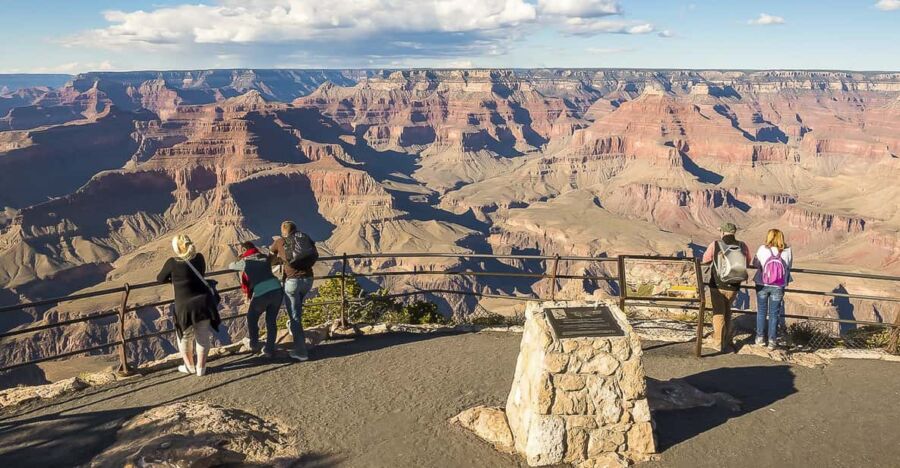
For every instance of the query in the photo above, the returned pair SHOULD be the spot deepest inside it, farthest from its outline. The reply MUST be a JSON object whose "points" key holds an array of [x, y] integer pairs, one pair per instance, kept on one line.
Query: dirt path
{"points": [[383, 401]]}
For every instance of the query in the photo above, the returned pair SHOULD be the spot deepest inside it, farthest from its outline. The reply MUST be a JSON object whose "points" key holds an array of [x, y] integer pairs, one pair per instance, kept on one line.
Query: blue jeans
{"points": [[295, 289], [768, 302], [269, 303]]}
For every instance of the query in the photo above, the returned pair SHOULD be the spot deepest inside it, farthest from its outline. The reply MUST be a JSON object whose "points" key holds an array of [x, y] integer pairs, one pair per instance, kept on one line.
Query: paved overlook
{"points": [[385, 400]]}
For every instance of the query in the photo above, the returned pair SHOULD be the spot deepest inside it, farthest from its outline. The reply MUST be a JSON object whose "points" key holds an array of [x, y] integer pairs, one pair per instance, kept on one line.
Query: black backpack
{"points": [[300, 251]]}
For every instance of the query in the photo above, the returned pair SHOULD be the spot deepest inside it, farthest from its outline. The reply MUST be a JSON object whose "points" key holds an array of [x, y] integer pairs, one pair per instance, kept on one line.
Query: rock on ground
{"points": [[197, 434], [25, 394], [811, 360], [489, 423]]}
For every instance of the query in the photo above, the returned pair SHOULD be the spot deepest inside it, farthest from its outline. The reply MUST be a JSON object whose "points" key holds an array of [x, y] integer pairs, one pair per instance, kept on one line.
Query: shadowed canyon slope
{"points": [[98, 174]]}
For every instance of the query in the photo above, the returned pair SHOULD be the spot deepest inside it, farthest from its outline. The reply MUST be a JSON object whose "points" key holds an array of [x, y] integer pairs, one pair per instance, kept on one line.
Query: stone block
{"points": [[576, 445], [546, 441], [641, 411], [604, 441], [556, 362], [568, 382], [570, 403], [581, 422], [603, 364], [641, 443]]}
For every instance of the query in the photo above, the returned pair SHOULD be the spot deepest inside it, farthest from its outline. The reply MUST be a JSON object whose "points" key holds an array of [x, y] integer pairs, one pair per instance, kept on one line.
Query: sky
{"points": [[72, 36]]}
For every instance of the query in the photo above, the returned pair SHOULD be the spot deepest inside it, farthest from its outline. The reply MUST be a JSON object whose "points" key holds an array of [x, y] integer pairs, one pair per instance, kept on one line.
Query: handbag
{"points": [[214, 318], [210, 285]]}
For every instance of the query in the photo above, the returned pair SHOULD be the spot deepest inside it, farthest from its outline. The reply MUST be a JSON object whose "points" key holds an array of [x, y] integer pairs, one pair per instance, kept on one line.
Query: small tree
{"points": [[422, 312], [376, 307], [326, 305]]}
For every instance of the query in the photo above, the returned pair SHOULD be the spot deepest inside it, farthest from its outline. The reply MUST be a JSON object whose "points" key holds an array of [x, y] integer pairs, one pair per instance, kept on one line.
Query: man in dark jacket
{"points": [[266, 296]]}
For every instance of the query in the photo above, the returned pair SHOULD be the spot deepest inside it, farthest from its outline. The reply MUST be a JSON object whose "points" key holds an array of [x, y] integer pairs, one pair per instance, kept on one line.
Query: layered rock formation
{"points": [[99, 174]]}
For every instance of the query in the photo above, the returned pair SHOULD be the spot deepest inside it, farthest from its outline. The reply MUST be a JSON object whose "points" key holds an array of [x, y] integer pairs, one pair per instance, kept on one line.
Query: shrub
{"points": [[489, 320], [423, 312], [805, 334], [869, 337], [643, 290], [320, 309], [376, 307]]}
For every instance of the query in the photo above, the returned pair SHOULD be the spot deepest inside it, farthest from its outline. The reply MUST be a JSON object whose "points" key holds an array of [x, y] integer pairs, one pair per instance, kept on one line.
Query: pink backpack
{"points": [[774, 272]]}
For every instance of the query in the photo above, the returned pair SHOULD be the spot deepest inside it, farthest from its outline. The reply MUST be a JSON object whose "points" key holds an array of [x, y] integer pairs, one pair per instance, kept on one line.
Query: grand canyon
{"points": [[98, 173]]}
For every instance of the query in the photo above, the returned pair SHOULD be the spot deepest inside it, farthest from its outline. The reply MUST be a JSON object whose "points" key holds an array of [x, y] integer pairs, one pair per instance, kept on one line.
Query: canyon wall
{"points": [[99, 173]]}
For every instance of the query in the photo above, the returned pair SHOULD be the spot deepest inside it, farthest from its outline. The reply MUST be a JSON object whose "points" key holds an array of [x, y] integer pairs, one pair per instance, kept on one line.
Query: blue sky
{"points": [[74, 36]]}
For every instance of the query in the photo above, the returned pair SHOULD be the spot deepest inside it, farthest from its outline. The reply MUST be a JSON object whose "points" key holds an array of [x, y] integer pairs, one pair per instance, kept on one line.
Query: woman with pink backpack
{"points": [[773, 273]]}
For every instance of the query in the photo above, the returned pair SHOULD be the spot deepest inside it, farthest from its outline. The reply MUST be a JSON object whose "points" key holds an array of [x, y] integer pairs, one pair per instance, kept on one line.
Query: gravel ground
{"points": [[383, 401]]}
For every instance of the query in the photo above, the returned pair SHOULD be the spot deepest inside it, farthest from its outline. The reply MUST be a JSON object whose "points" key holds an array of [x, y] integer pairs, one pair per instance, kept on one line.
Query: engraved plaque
{"points": [[574, 322]]}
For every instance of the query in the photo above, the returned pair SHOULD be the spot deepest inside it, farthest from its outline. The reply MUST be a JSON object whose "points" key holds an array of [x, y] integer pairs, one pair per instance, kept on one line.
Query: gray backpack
{"points": [[731, 264]]}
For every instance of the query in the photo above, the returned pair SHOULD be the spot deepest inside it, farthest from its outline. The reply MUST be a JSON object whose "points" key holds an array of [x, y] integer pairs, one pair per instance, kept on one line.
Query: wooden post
{"points": [[895, 336], [124, 368], [553, 274], [701, 311], [623, 286], [344, 290]]}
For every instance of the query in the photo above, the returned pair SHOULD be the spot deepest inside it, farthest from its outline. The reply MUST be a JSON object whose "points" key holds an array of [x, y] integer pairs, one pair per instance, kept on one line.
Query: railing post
{"points": [[553, 274], [124, 368], [344, 290], [701, 310], [895, 336], [623, 287]]}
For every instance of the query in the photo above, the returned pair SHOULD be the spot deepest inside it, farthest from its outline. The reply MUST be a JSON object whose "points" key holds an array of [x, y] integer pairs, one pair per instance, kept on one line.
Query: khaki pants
{"points": [[722, 300]]}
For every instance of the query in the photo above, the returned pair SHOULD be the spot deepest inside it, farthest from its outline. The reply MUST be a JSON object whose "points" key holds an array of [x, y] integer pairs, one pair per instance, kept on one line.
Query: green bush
{"points": [[326, 305], [489, 320], [376, 307], [423, 312], [869, 337]]}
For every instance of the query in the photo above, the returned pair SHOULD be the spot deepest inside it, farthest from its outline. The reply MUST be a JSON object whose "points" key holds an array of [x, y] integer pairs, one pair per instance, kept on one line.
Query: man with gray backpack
{"points": [[725, 268], [297, 254]]}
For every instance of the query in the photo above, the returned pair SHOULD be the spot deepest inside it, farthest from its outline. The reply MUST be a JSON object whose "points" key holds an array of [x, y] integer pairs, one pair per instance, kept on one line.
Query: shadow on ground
{"points": [[756, 387], [69, 437]]}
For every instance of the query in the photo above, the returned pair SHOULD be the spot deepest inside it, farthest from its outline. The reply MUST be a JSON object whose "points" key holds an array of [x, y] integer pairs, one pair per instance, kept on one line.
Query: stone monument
{"points": [[579, 393]]}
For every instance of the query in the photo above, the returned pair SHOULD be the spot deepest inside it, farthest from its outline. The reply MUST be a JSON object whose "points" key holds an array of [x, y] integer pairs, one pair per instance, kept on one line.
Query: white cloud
{"points": [[586, 27], [666, 33], [766, 20], [579, 8], [888, 5], [233, 21], [338, 32]]}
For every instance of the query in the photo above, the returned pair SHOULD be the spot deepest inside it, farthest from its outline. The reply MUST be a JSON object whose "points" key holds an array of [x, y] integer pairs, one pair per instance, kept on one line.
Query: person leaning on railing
{"points": [[195, 309], [773, 273], [725, 268], [266, 294], [296, 253]]}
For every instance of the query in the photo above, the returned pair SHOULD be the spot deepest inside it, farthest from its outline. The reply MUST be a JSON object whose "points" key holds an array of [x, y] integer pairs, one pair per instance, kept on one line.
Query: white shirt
{"points": [[763, 254]]}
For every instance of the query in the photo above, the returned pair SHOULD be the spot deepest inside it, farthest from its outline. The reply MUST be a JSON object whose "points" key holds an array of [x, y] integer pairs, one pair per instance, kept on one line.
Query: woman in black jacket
{"points": [[194, 307]]}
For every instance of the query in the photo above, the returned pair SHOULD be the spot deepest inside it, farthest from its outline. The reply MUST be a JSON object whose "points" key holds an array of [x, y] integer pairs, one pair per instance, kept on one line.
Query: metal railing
{"points": [[551, 272]]}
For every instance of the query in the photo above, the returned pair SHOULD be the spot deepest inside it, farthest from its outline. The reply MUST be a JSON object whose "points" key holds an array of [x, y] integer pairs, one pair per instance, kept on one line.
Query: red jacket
{"points": [[245, 281]]}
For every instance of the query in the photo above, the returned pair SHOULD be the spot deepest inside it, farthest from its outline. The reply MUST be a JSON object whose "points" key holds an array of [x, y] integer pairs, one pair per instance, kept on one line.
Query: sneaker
{"points": [[253, 349], [772, 345], [268, 355], [185, 369], [298, 357], [760, 341], [201, 371]]}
